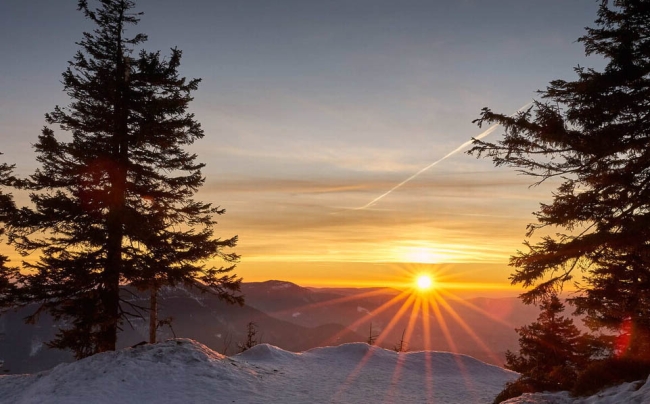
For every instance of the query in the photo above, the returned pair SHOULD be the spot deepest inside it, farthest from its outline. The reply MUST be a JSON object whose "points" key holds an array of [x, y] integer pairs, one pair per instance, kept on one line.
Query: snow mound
{"points": [[185, 371], [351, 351], [628, 393], [266, 353]]}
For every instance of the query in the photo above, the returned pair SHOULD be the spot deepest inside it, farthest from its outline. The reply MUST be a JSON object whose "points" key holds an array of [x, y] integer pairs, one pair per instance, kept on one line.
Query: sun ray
{"points": [[427, 348], [365, 318], [407, 337], [415, 312], [466, 327], [424, 298], [443, 324], [355, 372], [393, 321], [343, 299], [477, 309], [429, 300], [433, 301]]}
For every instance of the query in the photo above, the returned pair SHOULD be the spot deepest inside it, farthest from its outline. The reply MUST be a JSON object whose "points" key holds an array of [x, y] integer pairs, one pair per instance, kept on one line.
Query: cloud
{"points": [[436, 162], [391, 133], [295, 220]]}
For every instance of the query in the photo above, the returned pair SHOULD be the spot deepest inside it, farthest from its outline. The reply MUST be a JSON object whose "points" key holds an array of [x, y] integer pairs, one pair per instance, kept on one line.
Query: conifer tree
{"points": [[593, 136], [113, 205], [8, 274], [549, 349], [552, 352]]}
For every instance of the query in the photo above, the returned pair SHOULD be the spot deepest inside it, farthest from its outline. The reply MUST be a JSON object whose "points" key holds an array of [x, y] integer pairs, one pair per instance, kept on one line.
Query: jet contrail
{"points": [[451, 153]]}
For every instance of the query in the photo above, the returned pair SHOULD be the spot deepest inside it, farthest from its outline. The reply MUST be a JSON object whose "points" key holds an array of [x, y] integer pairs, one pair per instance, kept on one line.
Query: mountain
{"points": [[185, 371], [194, 315], [481, 327], [293, 318], [22, 346], [312, 308]]}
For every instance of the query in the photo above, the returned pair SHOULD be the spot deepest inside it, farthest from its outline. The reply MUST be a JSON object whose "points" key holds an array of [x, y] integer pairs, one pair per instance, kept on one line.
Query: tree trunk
{"points": [[153, 314], [114, 223]]}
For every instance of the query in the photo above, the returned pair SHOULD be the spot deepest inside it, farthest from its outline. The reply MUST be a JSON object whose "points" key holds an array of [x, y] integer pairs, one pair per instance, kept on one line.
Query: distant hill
{"points": [[195, 315], [480, 327], [291, 317]]}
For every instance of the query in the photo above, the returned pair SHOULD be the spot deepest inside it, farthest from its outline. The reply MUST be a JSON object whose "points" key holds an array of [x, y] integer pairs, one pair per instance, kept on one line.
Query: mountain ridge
{"points": [[290, 316]]}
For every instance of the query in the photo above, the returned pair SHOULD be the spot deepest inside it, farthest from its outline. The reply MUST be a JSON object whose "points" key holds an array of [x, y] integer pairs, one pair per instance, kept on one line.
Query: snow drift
{"points": [[185, 371], [626, 393]]}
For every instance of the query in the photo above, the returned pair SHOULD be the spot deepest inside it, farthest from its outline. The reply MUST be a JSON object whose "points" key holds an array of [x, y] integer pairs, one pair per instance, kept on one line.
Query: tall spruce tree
{"points": [[8, 273], [113, 204], [593, 135]]}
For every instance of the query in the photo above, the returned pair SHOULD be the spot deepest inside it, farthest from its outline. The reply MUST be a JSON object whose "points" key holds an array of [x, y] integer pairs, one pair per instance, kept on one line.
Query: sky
{"points": [[314, 109]]}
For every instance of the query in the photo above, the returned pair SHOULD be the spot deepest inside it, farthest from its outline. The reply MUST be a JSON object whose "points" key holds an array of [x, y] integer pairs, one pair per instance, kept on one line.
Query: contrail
{"points": [[446, 156]]}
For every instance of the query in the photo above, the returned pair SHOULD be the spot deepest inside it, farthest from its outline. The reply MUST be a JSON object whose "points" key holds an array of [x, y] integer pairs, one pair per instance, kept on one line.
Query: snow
{"points": [[296, 314], [628, 393], [281, 285], [35, 347], [185, 371]]}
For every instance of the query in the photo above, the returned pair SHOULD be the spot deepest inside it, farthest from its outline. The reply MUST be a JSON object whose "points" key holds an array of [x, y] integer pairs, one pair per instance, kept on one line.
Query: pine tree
{"points": [[549, 349], [8, 274], [593, 135], [552, 353], [115, 201]]}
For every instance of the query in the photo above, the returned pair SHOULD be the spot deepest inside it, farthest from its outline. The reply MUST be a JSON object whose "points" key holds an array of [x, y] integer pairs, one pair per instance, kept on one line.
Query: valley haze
{"points": [[293, 318]]}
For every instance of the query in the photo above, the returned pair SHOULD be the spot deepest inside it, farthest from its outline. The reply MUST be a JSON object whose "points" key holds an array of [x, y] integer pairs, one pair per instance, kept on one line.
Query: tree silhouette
{"points": [[549, 349], [402, 346], [371, 337], [592, 135], [251, 340], [8, 274], [552, 352], [113, 204]]}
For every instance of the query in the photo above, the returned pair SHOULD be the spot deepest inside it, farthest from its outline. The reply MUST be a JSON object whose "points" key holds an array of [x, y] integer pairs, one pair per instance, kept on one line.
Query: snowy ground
{"points": [[185, 371], [626, 393]]}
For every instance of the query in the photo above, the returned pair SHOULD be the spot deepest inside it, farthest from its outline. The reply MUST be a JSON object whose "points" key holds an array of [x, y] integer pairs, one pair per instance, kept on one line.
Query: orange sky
{"points": [[463, 223]]}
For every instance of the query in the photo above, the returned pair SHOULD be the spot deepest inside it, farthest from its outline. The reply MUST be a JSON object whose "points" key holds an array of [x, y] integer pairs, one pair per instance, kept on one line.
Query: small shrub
{"points": [[251, 341], [514, 389], [610, 372]]}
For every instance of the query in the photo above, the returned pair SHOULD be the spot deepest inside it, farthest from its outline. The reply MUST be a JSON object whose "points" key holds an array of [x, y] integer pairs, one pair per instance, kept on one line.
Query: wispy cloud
{"points": [[446, 156]]}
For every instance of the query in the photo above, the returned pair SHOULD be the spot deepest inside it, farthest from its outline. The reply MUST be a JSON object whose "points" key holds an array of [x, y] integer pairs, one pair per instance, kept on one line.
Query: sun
{"points": [[424, 282]]}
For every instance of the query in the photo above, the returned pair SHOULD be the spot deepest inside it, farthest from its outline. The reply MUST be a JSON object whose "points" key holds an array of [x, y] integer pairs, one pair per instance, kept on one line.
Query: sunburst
{"points": [[424, 282], [423, 299]]}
